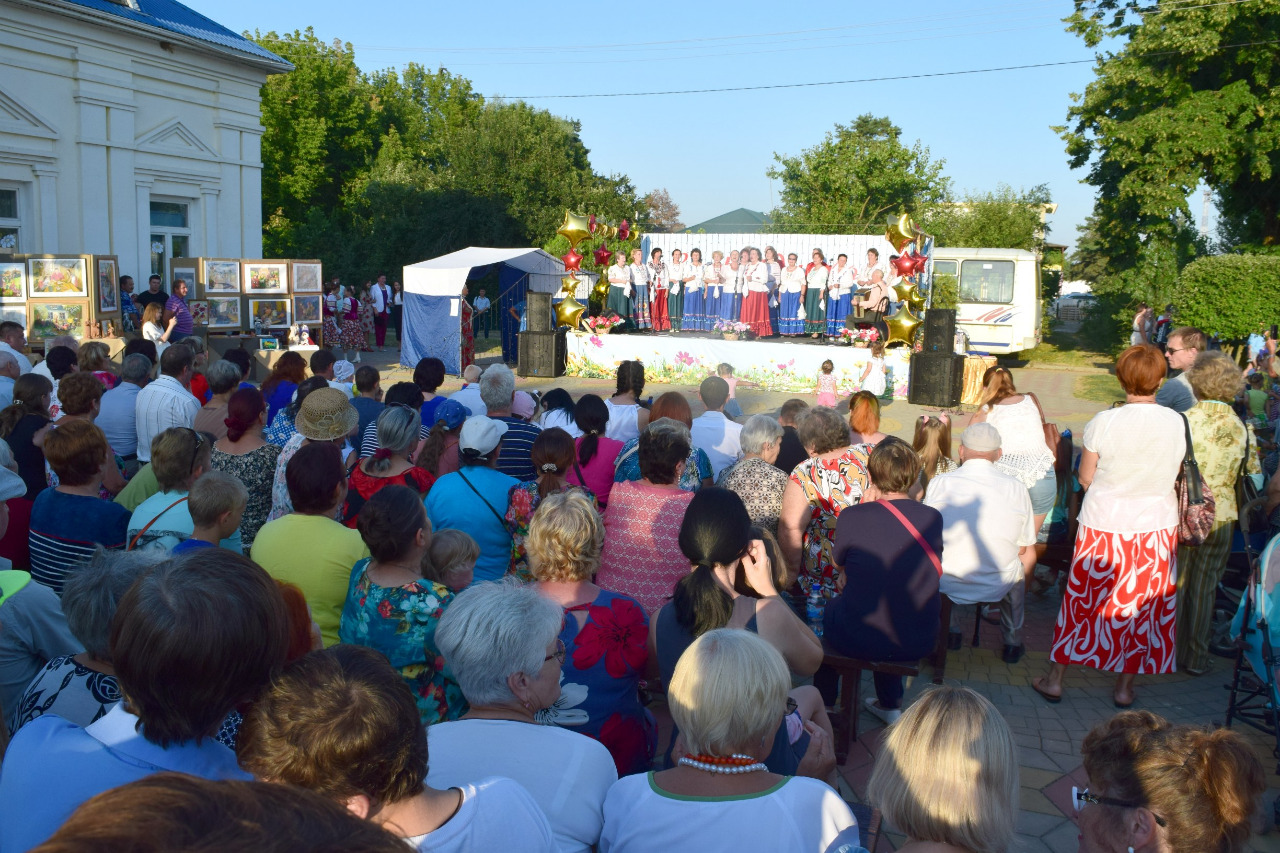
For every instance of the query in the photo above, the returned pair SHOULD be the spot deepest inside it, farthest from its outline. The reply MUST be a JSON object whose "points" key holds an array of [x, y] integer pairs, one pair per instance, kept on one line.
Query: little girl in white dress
{"points": [[873, 378]]}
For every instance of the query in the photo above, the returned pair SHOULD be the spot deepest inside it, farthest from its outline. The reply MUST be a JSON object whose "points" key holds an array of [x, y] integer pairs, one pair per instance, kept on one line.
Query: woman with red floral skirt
{"points": [[604, 634], [755, 305]]}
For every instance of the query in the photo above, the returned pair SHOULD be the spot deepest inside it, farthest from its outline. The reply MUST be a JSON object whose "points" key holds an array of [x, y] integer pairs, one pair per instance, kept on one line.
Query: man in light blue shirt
{"points": [[183, 673], [118, 410], [8, 373]]}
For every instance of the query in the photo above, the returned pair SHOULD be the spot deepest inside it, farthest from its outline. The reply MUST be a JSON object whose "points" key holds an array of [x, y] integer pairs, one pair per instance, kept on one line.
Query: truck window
{"points": [[945, 267], [985, 281]]}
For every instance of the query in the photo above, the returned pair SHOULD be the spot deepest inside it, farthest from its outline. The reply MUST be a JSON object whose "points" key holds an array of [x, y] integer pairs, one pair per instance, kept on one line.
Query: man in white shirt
{"points": [[118, 411], [322, 364], [715, 434], [13, 338], [167, 402], [1181, 351], [60, 341], [469, 394], [480, 307], [8, 373], [381, 310], [988, 535]]}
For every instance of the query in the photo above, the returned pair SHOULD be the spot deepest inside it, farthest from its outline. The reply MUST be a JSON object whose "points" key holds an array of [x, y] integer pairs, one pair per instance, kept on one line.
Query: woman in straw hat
{"points": [[326, 415]]}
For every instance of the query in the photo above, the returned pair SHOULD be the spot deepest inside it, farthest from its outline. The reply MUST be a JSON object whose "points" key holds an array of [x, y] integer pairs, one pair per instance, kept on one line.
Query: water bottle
{"points": [[814, 606]]}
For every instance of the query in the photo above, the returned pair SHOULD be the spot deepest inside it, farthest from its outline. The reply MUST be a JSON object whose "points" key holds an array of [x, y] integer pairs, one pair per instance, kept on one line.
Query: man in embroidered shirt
{"points": [[166, 402], [715, 434], [988, 534], [182, 672]]}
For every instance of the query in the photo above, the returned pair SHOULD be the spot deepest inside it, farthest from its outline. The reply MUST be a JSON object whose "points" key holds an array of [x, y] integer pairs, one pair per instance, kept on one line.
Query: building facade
{"points": [[129, 128]]}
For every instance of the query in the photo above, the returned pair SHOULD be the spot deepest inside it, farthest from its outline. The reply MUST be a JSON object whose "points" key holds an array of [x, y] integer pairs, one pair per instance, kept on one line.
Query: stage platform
{"points": [[685, 359]]}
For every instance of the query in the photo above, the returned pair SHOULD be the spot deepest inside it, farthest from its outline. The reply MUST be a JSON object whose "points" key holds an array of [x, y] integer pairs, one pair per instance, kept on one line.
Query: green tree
{"points": [[854, 178], [1002, 219], [1190, 96]]}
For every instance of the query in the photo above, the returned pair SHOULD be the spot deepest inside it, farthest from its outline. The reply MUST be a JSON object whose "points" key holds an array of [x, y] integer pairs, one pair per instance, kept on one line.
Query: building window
{"points": [[10, 225], [170, 236]]}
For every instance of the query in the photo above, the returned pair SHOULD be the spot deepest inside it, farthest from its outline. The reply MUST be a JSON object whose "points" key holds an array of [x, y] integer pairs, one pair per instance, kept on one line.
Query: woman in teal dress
{"points": [[392, 608]]}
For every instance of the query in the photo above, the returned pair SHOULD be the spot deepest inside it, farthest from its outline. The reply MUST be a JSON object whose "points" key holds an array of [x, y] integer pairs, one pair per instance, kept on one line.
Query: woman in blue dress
{"points": [[841, 282], [789, 296], [695, 303]]}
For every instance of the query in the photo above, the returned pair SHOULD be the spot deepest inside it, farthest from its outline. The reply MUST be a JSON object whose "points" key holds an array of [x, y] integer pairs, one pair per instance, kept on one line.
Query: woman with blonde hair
{"points": [[864, 418], [1224, 449], [728, 696], [948, 774], [152, 317], [94, 357], [932, 441], [553, 457], [603, 633]]}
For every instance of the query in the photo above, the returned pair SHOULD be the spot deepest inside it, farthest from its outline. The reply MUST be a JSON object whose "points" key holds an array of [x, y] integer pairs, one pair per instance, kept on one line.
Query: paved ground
{"points": [[1049, 736]]}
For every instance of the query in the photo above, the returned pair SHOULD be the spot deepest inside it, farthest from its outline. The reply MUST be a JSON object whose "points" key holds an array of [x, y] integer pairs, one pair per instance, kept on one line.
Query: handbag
{"points": [[1196, 506], [1247, 490]]}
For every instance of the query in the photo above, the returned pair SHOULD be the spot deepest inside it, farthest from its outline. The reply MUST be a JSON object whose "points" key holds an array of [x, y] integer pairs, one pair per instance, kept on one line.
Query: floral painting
{"points": [[224, 312], [221, 277], [199, 309], [261, 277], [60, 277], [13, 282], [50, 319]]}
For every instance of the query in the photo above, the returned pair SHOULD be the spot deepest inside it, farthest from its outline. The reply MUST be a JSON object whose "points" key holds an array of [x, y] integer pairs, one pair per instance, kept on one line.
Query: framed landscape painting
{"points": [[199, 309], [306, 309], [108, 286], [13, 283], [272, 313], [266, 277], [50, 319], [224, 312], [306, 277], [221, 275], [57, 278]]}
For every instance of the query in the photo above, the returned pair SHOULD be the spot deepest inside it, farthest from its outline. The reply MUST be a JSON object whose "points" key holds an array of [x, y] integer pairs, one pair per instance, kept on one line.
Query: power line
{"points": [[920, 76]]}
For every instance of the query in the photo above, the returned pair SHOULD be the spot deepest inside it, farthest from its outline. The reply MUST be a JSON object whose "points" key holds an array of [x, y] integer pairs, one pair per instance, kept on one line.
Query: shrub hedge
{"points": [[1229, 295]]}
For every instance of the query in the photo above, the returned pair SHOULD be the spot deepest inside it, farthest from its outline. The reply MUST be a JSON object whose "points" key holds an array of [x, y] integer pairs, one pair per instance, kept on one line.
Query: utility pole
{"points": [[1204, 214]]}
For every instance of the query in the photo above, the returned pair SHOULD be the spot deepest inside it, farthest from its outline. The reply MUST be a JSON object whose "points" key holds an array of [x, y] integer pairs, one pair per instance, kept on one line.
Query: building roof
{"points": [[172, 17], [740, 221]]}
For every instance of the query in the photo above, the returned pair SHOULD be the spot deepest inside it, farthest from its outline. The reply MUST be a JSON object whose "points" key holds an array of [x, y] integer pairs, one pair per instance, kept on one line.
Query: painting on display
{"points": [[221, 276], [50, 319], [306, 309], [262, 277], [270, 313], [14, 314], [62, 278], [186, 274], [13, 283], [306, 277], [108, 286], [224, 312], [199, 309]]}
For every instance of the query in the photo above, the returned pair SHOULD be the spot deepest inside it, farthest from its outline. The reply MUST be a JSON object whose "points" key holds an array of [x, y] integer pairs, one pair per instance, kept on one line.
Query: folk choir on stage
{"points": [[770, 295]]}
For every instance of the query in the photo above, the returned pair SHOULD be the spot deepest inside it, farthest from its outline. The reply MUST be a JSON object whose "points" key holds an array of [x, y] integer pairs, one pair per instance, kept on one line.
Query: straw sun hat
{"points": [[325, 415]]}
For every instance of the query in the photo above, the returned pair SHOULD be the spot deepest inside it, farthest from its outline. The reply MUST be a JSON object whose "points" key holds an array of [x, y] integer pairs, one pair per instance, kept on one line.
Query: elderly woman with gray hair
{"points": [[754, 477], [224, 379], [81, 688], [391, 464], [502, 642]]}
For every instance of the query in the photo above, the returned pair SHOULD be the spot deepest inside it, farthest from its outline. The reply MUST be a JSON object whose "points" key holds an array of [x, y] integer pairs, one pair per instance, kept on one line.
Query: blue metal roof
{"points": [[173, 17]]}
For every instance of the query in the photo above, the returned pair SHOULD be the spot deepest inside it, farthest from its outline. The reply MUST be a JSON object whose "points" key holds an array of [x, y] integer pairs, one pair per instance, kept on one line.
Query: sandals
{"points": [[1048, 697]]}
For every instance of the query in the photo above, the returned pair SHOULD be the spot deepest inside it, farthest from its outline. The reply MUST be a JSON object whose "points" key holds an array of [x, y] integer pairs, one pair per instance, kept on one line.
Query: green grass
{"points": [[1063, 349], [1098, 388]]}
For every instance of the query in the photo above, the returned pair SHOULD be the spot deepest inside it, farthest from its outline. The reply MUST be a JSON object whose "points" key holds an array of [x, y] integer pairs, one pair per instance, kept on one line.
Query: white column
{"points": [[47, 178], [95, 231], [143, 213], [209, 212]]}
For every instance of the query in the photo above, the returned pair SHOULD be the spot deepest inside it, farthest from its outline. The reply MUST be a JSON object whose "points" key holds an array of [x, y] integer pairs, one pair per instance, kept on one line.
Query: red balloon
{"points": [[919, 261], [572, 261], [903, 264], [624, 230], [591, 223], [603, 255]]}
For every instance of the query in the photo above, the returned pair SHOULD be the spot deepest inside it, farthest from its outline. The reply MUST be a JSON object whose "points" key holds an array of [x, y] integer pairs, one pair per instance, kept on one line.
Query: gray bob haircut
{"points": [[495, 630], [758, 431], [136, 368], [497, 387], [670, 426], [398, 431], [223, 376], [92, 591]]}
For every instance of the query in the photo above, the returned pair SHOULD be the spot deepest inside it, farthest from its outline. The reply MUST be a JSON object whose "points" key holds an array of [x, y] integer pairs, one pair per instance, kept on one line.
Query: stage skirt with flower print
{"points": [[1118, 608]]}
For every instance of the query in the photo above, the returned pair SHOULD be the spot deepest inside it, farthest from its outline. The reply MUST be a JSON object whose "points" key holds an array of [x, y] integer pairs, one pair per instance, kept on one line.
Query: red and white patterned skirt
{"points": [[1118, 608]]}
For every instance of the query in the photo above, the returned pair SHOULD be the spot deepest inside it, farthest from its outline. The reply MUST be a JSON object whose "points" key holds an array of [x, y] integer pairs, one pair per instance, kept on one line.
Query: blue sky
{"points": [[711, 150]]}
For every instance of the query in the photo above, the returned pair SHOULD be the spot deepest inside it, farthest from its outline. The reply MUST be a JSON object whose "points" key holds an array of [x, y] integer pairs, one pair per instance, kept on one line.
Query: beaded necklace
{"points": [[732, 764]]}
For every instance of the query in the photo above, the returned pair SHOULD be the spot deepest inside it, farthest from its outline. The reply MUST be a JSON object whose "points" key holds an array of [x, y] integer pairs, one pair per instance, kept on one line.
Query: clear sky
{"points": [[711, 150]]}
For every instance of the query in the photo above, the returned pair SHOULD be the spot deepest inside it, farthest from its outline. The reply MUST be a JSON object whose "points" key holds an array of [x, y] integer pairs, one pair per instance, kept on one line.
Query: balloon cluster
{"points": [[575, 229], [908, 240]]}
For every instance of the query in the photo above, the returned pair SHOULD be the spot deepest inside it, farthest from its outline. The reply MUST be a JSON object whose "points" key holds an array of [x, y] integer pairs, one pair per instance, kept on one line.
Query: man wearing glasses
{"points": [[1184, 345]]}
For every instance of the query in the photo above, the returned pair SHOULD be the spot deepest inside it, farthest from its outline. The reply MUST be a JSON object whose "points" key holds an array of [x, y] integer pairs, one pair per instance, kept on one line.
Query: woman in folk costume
{"points": [[713, 288], [744, 258], [814, 295], [731, 272], [755, 306], [840, 284], [619, 300], [773, 265], [791, 285], [675, 289], [695, 307], [658, 281], [640, 294]]}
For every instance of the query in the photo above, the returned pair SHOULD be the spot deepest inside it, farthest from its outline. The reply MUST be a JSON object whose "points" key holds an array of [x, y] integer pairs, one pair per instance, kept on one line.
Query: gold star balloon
{"points": [[900, 232], [902, 325], [601, 289], [569, 312], [574, 228], [568, 286], [917, 299], [904, 290]]}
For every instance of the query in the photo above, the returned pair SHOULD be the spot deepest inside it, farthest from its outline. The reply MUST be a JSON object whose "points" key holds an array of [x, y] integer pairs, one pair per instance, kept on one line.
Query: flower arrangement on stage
{"points": [[604, 323], [861, 336], [732, 329]]}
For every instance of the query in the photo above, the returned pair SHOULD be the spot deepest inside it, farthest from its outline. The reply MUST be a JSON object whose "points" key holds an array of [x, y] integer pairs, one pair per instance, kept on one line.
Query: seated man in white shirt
{"points": [[469, 394], [988, 535], [8, 375], [13, 338], [715, 434]]}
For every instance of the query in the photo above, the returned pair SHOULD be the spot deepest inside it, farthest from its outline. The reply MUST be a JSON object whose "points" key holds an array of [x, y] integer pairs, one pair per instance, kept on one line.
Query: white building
{"points": [[127, 126]]}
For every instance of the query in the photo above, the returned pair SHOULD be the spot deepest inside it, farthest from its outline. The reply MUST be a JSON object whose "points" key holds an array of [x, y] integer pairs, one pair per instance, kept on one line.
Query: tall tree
{"points": [[663, 212], [1001, 219], [854, 178]]}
